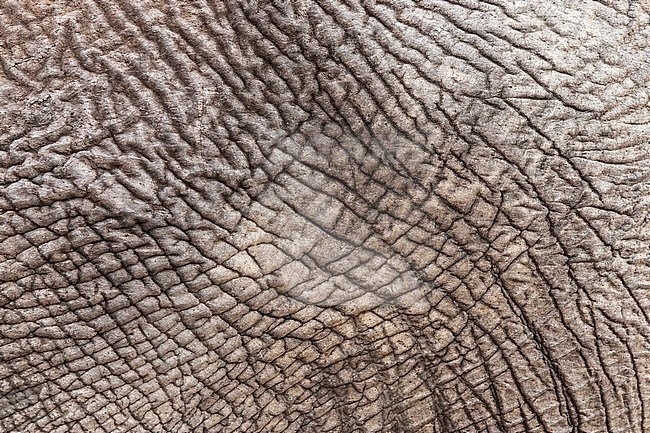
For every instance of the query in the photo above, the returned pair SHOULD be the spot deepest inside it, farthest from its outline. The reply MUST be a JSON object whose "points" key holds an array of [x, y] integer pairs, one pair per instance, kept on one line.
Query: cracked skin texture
{"points": [[324, 216]]}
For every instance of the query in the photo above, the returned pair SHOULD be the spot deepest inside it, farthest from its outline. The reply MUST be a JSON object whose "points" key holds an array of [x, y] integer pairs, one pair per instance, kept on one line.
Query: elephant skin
{"points": [[324, 216]]}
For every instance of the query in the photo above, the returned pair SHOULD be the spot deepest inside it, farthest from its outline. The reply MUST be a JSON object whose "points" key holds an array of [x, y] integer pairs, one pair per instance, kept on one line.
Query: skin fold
{"points": [[324, 216]]}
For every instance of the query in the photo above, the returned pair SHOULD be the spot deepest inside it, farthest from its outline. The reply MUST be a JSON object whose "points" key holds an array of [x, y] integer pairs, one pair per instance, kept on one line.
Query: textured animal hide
{"points": [[324, 216]]}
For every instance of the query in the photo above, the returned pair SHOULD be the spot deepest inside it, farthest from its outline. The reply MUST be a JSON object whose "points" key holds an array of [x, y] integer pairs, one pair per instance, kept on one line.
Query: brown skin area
{"points": [[323, 217]]}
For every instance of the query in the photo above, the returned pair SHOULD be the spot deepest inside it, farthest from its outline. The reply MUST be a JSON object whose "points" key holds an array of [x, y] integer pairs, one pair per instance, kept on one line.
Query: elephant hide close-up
{"points": [[313, 216]]}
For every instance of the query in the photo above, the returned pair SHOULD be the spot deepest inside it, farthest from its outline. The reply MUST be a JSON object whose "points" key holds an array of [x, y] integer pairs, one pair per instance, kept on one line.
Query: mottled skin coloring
{"points": [[324, 216]]}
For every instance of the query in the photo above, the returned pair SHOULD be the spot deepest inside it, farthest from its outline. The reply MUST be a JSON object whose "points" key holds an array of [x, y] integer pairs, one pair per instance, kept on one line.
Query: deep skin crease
{"points": [[324, 216]]}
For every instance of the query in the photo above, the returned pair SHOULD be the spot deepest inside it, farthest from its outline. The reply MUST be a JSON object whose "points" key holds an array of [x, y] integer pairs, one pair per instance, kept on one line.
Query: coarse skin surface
{"points": [[324, 216]]}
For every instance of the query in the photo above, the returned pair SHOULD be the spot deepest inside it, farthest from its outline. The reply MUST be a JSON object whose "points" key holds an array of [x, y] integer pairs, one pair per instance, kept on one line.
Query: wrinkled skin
{"points": [[324, 216]]}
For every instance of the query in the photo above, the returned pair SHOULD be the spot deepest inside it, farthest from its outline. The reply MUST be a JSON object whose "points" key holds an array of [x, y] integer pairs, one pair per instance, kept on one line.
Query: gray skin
{"points": [[324, 216]]}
